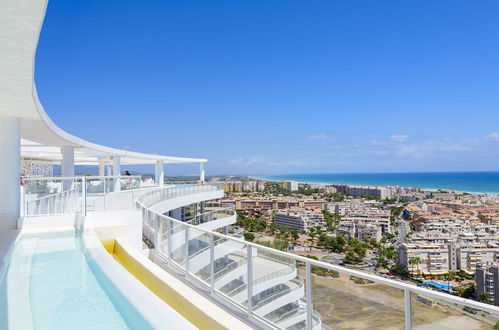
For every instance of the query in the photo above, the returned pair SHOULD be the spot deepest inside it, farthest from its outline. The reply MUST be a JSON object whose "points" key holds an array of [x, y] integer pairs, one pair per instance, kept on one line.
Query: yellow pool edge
{"points": [[197, 316]]}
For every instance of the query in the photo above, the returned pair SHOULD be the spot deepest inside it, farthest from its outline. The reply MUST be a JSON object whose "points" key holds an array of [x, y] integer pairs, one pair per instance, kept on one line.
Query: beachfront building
{"points": [[357, 191], [117, 252]]}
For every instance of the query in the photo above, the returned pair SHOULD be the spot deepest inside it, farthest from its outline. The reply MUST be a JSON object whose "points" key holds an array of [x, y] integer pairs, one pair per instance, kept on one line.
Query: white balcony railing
{"points": [[272, 267], [44, 196]]}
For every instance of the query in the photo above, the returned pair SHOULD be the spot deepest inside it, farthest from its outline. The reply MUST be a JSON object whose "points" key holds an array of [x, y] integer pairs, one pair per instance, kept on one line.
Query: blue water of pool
{"points": [[441, 285], [52, 283]]}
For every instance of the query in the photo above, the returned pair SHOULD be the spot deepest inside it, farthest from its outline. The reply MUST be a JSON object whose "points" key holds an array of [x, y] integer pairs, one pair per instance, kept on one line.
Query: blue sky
{"points": [[279, 86]]}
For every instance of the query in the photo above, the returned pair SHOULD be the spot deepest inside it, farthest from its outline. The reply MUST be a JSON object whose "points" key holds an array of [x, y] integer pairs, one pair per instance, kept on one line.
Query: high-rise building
{"points": [[487, 280]]}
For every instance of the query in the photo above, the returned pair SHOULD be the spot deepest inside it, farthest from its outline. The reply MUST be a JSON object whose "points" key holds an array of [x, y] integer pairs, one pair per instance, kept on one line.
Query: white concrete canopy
{"points": [[26, 129], [20, 25]]}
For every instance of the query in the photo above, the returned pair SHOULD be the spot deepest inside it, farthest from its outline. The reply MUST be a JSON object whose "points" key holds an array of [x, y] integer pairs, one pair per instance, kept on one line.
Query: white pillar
{"points": [[159, 174], [68, 166], [10, 172], [201, 172], [102, 168], [117, 172]]}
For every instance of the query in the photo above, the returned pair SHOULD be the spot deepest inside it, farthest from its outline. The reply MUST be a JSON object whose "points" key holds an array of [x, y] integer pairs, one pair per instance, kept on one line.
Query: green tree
{"points": [[484, 297], [249, 237], [415, 261]]}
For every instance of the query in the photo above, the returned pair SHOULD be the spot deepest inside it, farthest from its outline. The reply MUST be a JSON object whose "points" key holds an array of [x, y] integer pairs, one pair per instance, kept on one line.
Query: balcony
{"points": [[275, 287]]}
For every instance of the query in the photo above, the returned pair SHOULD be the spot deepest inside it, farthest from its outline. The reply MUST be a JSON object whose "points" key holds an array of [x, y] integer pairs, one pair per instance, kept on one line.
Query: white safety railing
{"points": [[70, 195], [213, 215], [253, 267], [61, 203]]}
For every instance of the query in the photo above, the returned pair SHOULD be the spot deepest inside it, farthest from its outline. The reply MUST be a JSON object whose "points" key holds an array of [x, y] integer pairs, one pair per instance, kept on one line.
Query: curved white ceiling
{"points": [[20, 26]]}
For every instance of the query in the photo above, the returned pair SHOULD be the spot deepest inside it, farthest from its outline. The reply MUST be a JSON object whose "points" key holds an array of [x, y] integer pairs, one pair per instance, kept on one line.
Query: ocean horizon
{"points": [[471, 182]]}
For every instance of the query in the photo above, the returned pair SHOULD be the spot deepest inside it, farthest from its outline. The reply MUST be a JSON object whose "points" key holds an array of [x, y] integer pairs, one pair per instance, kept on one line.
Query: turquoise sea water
{"points": [[477, 182]]}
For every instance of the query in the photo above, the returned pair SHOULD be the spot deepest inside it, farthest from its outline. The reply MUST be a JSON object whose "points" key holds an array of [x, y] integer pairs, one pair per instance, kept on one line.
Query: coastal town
{"points": [[445, 240]]}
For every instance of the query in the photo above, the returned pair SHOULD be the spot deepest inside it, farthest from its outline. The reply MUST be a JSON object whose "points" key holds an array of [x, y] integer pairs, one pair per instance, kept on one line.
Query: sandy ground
{"points": [[345, 305]]}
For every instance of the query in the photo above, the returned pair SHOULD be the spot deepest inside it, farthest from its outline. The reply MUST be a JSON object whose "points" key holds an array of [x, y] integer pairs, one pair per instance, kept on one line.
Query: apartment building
{"points": [[356, 191], [278, 203], [382, 223], [433, 258], [487, 280], [438, 257], [301, 219], [362, 231], [289, 185]]}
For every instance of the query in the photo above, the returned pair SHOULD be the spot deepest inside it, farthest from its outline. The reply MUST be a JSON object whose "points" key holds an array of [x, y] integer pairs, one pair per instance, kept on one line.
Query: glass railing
{"points": [[213, 215], [334, 296], [60, 203], [52, 195], [170, 192], [70, 195]]}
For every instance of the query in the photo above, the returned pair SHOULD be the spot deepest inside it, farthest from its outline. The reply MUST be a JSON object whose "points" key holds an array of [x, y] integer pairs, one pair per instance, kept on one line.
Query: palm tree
{"points": [[415, 261]]}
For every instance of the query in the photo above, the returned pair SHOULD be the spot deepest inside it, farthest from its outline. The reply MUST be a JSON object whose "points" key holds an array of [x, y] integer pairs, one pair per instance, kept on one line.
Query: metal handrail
{"points": [[407, 288], [228, 212], [261, 279], [229, 267], [279, 294], [53, 195]]}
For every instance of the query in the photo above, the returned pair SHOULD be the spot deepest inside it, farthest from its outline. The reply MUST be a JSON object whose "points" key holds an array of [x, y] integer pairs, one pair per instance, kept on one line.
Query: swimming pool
{"points": [[441, 285], [52, 282]]}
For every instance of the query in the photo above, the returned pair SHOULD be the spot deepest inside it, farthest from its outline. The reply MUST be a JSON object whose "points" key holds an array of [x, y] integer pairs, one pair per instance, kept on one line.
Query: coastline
{"points": [[432, 189]]}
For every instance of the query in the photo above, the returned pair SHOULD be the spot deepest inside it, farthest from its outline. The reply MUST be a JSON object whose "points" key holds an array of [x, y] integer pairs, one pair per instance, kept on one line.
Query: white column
{"points": [[159, 176], [10, 172], [102, 168], [117, 172], [201, 172], [68, 166]]}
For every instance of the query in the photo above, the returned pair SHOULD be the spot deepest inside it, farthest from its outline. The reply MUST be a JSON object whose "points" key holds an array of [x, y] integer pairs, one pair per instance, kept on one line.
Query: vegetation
{"points": [[337, 197], [358, 280], [275, 244], [397, 211], [484, 297], [249, 237], [274, 188], [252, 225], [399, 269], [332, 220], [356, 251], [465, 291], [322, 271]]}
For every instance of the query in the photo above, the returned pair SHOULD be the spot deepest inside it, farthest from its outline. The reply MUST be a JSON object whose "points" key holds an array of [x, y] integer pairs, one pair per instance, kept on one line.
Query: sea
{"points": [[472, 182]]}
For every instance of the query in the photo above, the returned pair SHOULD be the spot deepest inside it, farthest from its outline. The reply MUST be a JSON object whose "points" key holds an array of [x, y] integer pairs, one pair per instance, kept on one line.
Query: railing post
{"points": [[84, 196], [408, 309], [186, 257], [212, 263], [308, 288], [158, 233], [249, 262], [169, 238]]}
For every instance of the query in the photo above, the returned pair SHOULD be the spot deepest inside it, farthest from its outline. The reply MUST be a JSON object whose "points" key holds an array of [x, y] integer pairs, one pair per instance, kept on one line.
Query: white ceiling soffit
{"points": [[20, 25]]}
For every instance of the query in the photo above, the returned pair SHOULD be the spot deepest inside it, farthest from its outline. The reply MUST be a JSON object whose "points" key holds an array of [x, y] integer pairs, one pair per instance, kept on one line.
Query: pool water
{"points": [[441, 285], [53, 283]]}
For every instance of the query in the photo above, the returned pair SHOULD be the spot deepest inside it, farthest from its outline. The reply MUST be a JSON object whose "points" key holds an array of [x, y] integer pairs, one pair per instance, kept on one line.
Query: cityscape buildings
{"points": [[118, 251]]}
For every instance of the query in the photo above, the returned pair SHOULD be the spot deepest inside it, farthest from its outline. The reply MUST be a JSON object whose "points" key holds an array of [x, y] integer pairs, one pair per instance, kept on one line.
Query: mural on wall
{"points": [[36, 167]]}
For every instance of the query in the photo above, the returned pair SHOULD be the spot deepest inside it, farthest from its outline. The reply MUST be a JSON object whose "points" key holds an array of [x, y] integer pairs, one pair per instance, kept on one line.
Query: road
{"points": [[403, 229]]}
